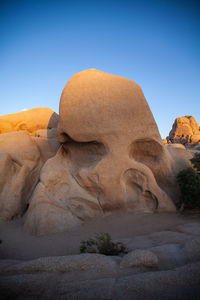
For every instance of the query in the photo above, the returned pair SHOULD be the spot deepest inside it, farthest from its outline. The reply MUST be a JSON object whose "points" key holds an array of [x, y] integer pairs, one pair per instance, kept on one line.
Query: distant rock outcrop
{"points": [[30, 120], [185, 130]]}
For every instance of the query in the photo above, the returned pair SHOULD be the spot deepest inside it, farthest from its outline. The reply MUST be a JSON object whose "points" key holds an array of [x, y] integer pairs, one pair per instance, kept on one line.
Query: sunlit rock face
{"points": [[112, 156], [30, 120], [185, 130]]}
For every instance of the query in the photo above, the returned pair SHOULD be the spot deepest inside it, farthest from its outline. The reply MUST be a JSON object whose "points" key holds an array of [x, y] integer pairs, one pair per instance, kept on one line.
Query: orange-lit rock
{"points": [[164, 141], [30, 120], [185, 130]]}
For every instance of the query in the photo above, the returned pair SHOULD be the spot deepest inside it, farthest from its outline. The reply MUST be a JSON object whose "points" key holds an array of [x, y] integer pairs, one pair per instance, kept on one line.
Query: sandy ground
{"points": [[17, 244]]}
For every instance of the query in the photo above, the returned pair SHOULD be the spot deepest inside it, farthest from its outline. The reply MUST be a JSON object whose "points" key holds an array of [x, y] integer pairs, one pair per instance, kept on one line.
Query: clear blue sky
{"points": [[154, 43]]}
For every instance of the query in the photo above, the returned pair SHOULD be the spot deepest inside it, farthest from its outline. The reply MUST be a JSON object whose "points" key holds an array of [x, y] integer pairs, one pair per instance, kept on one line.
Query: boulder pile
{"points": [[185, 130]]}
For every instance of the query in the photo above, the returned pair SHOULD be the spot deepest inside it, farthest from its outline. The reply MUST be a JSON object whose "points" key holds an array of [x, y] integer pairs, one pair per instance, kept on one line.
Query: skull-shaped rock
{"points": [[112, 156]]}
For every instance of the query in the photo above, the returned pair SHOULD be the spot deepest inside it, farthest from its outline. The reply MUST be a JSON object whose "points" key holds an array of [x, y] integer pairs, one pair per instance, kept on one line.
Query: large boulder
{"points": [[70, 263], [185, 130], [180, 157], [47, 142], [139, 258], [27, 140], [112, 156], [20, 164], [46, 278], [21, 159], [59, 202], [30, 120]]}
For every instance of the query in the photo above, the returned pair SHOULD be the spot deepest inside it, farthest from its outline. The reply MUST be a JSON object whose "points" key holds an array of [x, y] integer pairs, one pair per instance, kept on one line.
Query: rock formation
{"points": [[30, 120], [185, 130], [111, 157], [22, 156], [20, 163]]}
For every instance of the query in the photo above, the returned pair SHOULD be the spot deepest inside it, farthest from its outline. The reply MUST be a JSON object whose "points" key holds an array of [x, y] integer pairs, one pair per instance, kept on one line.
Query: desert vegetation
{"points": [[189, 183], [103, 244]]}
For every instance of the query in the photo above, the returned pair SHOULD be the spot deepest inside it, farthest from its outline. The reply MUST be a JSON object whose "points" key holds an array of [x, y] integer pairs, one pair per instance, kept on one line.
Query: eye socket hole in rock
{"points": [[146, 151], [83, 154]]}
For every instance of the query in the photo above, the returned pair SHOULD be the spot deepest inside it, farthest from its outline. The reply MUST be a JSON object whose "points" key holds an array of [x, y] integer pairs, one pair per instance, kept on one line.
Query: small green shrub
{"points": [[103, 244], [196, 161], [189, 183]]}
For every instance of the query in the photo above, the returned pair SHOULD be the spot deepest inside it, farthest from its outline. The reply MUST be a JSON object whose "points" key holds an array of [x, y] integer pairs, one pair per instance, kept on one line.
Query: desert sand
{"points": [[18, 244], [50, 267]]}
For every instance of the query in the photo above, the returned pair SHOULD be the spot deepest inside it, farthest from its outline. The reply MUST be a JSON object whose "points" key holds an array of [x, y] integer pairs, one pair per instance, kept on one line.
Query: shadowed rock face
{"points": [[112, 156], [20, 164], [22, 156], [185, 130]]}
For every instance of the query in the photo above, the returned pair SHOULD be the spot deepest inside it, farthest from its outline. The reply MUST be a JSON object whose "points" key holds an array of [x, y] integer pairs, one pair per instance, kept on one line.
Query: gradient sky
{"points": [[154, 43]]}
